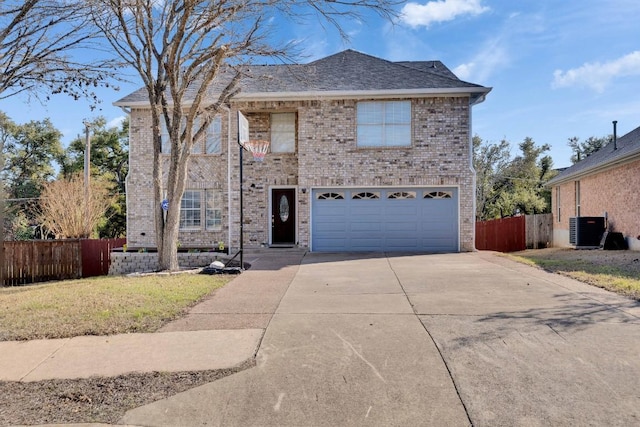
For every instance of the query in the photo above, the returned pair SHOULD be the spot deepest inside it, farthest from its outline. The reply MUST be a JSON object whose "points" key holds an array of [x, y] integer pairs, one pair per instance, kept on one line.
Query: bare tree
{"points": [[189, 54], [38, 42], [63, 210]]}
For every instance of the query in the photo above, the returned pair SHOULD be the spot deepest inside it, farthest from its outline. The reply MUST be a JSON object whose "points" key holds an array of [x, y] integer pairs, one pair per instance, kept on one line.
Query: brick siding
{"points": [[326, 156], [614, 191]]}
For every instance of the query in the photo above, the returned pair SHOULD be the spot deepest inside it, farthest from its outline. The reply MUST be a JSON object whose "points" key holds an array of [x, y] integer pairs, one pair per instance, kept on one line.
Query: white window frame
{"points": [[165, 146], [213, 210], [210, 143], [387, 127], [194, 207], [283, 132]]}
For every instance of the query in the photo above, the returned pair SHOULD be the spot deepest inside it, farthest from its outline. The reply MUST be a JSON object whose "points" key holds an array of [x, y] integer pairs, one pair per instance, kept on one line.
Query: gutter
{"points": [[634, 155], [480, 91]]}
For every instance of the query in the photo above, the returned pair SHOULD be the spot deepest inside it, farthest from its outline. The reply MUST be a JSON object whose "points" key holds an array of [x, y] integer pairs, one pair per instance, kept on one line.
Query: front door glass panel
{"points": [[284, 208]]}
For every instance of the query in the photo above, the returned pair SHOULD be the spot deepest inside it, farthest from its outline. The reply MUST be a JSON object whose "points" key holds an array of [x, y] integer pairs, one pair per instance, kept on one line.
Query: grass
{"points": [[597, 268], [100, 306]]}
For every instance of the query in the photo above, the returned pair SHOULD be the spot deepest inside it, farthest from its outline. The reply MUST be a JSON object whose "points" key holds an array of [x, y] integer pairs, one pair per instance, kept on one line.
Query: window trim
{"points": [[384, 142], [331, 195], [366, 195], [197, 211], [165, 143], [402, 195], [216, 195], [204, 212], [294, 115], [438, 195]]}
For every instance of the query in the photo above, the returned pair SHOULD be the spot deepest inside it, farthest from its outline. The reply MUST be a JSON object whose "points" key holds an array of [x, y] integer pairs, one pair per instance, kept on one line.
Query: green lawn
{"points": [[100, 306]]}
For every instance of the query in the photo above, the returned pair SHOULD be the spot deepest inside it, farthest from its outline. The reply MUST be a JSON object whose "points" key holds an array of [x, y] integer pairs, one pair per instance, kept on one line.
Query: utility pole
{"points": [[87, 173]]}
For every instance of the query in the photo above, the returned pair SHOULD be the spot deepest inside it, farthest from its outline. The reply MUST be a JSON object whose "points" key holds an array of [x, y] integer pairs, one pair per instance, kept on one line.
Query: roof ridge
{"points": [[628, 145]]}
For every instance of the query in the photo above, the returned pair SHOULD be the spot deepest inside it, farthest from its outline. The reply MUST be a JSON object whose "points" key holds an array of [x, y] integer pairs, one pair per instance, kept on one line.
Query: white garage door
{"points": [[384, 219]]}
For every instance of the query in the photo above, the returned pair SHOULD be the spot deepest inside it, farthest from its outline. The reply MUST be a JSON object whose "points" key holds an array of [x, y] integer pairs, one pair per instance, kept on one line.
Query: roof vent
{"points": [[615, 135]]}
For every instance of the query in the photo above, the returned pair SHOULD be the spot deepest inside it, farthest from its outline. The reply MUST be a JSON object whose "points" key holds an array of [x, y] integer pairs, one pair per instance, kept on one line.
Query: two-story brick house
{"points": [[365, 155]]}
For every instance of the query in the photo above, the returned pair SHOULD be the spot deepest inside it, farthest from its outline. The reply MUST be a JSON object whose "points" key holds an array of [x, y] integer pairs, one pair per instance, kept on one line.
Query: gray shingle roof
{"points": [[348, 71], [628, 146]]}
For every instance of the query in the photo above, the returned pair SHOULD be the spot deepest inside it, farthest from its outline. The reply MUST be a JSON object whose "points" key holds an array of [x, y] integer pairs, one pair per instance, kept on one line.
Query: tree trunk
{"points": [[168, 255]]}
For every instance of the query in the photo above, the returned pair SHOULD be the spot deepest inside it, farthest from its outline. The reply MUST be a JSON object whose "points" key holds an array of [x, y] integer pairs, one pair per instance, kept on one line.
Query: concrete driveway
{"points": [[451, 340]]}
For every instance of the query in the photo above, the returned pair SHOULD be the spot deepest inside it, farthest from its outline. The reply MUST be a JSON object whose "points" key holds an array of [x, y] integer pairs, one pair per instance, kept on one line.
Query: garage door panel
{"points": [[385, 224], [395, 227], [401, 209], [366, 244], [326, 242], [325, 227], [409, 243], [366, 226]]}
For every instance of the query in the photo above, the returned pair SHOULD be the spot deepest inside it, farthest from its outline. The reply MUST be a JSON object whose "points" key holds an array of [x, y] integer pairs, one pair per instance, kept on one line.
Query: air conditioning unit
{"points": [[585, 232]]}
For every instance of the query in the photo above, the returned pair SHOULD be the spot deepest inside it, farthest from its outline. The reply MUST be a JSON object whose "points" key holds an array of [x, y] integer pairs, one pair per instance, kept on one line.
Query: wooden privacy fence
{"points": [[43, 260], [96, 255], [515, 234], [539, 233]]}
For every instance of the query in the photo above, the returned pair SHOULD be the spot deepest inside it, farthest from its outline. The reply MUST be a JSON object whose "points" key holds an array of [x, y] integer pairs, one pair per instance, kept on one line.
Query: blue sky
{"points": [[558, 68]]}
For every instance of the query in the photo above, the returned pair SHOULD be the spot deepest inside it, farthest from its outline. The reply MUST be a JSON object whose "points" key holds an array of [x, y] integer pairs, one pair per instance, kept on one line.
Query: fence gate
{"points": [[501, 235], [96, 255]]}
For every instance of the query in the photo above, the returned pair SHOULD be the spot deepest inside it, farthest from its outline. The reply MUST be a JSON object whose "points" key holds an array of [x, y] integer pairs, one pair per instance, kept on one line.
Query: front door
{"points": [[283, 216]]}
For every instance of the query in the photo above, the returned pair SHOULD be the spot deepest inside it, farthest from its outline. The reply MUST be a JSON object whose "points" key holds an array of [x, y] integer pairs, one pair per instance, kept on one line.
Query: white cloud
{"points": [[116, 123], [492, 57], [596, 75], [415, 14]]}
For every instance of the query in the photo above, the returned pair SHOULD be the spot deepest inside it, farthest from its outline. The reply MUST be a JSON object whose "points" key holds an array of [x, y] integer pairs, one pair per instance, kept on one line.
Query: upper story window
{"points": [[384, 124], [283, 132], [210, 143]]}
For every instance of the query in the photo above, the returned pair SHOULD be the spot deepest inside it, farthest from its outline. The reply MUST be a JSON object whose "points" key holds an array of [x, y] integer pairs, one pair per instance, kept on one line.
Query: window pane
{"points": [[196, 148], [397, 113], [213, 215], [190, 213], [283, 132], [384, 124], [397, 135], [164, 136], [370, 112], [214, 137], [370, 136]]}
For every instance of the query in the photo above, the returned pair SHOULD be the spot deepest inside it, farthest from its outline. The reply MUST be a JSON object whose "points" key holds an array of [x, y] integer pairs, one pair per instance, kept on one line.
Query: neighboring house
{"points": [[366, 155], [604, 184]]}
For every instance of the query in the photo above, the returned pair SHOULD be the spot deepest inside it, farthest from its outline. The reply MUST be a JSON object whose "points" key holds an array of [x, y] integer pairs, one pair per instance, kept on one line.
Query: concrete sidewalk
{"points": [[222, 332]]}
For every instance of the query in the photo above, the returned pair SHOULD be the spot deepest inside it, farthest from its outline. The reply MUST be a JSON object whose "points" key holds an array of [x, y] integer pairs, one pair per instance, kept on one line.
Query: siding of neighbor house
{"points": [[326, 156], [614, 191]]}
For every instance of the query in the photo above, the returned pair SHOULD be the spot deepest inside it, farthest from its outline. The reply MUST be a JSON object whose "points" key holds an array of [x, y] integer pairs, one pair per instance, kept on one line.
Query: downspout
{"points": [[229, 122], [473, 180], [126, 179]]}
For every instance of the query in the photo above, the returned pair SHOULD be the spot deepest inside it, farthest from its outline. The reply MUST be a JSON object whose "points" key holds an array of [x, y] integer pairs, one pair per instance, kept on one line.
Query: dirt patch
{"points": [[626, 261], [95, 400], [616, 271]]}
